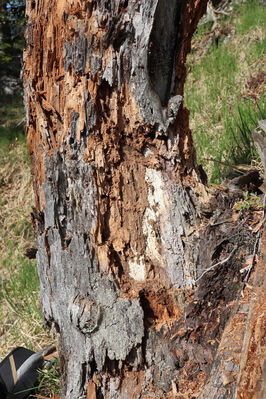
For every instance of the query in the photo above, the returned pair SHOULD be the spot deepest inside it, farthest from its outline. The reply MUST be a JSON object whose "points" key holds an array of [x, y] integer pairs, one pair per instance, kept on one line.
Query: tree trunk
{"points": [[116, 192]]}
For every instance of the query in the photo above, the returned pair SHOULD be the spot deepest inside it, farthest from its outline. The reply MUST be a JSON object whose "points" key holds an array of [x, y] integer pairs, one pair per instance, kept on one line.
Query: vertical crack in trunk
{"points": [[162, 47]]}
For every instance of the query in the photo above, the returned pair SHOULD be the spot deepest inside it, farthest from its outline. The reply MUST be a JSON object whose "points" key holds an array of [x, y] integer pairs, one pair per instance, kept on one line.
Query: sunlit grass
{"points": [[11, 121], [21, 321], [49, 381], [252, 10], [223, 109]]}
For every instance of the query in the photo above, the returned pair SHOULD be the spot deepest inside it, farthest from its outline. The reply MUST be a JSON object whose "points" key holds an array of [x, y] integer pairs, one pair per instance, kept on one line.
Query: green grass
{"points": [[21, 321], [222, 110], [11, 121], [21, 288], [49, 380], [239, 128], [249, 12], [20, 291]]}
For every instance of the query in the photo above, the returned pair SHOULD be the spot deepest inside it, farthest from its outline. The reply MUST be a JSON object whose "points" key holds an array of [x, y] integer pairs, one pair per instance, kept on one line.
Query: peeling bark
{"points": [[117, 194]]}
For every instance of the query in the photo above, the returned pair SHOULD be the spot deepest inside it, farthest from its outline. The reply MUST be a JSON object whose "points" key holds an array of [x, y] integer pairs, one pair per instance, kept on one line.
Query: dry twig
{"points": [[222, 262]]}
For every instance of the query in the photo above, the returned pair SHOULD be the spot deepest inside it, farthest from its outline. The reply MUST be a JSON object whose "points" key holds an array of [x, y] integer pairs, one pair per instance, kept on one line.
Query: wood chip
{"points": [[258, 226], [91, 390], [51, 355], [227, 378]]}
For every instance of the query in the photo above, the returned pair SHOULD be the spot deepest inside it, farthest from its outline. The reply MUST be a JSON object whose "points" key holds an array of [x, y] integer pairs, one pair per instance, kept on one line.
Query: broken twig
{"points": [[256, 246], [222, 262]]}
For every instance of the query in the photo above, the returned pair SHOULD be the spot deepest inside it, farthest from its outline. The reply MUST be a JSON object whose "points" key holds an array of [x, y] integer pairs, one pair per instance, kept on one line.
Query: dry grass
{"points": [[20, 319], [16, 195], [20, 330]]}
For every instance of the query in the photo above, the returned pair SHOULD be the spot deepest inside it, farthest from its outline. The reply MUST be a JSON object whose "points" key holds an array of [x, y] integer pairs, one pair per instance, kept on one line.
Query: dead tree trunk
{"points": [[114, 178]]}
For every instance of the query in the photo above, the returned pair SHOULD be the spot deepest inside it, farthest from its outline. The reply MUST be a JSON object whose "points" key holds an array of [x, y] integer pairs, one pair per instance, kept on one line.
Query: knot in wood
{"points": [[174, 105], [89, 317]]}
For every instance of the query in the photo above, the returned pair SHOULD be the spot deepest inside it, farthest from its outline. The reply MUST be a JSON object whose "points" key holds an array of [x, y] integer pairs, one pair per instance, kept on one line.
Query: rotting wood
{"points": [[117, 197]]}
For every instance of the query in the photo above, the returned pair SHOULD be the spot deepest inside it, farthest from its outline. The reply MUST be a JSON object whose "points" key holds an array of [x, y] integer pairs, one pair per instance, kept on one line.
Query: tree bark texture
{"points": [[116, 192]]}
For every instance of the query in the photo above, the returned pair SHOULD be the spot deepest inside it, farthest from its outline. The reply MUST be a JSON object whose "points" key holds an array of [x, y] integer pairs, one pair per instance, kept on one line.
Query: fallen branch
{"points": [[241, 169], [221, 12], [221, 222], [256, 247], [218, 264], [249, 267]]}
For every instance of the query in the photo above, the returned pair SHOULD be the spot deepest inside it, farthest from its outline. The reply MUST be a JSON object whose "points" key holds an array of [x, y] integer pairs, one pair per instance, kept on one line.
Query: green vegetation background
{"points": [[224, 90]]}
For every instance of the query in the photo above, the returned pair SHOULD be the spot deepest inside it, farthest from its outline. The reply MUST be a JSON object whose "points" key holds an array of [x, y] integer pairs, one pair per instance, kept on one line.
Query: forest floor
{"points": [[225, 94]]}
